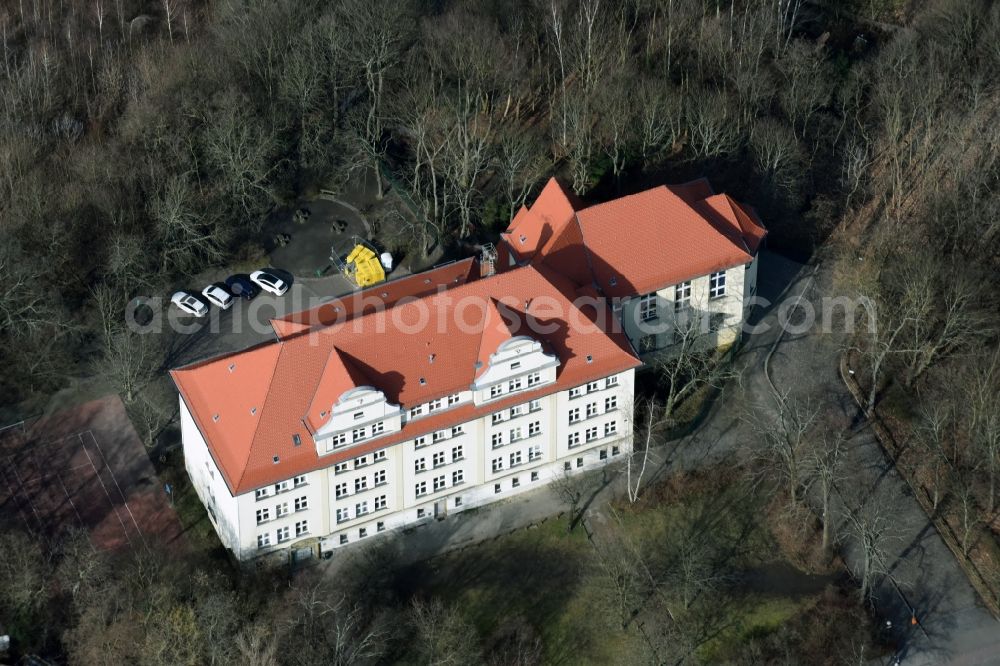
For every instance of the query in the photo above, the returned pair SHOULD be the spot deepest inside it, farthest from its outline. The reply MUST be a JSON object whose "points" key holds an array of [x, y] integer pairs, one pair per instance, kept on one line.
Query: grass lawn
{"points": [[549, 579]]}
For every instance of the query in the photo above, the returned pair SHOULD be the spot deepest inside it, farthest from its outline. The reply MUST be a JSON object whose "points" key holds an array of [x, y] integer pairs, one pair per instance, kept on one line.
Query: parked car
{"points": [[189, 303], [269, 282], [242, 286], [218, 295]]}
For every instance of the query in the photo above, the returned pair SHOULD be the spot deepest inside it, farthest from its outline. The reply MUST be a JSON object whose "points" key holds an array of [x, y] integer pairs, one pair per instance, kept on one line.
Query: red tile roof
{"points": [[647, 241], [380, 296], [535, 228], [290, 379]]}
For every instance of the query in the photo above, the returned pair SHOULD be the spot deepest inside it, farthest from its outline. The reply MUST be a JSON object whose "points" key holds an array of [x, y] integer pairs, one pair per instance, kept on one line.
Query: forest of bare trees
{"points": [[144, 140]]}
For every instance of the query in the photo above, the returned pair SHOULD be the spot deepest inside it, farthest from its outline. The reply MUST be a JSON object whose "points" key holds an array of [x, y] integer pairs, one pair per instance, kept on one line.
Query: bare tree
{"points": [[982, 404], [789, 441], [826, 465], [648, 422], [442, 636], [129, 362], [935, 435], [871, 531], [969, 518]]}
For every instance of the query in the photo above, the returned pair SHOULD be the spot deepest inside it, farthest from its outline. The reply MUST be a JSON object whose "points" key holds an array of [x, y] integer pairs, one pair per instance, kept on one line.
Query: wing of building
{"points": [[464, 384]]}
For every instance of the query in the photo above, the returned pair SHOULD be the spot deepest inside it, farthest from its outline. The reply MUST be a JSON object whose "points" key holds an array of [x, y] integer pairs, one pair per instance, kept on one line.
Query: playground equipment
{"points": [[362, 266]]}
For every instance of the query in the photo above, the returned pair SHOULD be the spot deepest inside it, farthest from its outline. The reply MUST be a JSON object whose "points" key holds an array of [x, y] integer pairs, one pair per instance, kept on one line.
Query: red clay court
{"points": [[85, 467]]}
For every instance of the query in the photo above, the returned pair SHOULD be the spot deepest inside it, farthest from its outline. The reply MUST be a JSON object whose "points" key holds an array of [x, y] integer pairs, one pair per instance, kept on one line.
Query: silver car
{"points": [[218, 296], [189, 303]]}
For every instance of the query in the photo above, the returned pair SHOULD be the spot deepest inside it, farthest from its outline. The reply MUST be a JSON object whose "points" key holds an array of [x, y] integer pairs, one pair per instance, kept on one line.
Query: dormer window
{"points": [[515, 365], [358, 415]]}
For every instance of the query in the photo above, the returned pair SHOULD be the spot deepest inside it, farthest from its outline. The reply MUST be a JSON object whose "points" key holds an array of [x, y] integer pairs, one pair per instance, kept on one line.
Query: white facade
{"points": [[717, 303], [464, 465]]}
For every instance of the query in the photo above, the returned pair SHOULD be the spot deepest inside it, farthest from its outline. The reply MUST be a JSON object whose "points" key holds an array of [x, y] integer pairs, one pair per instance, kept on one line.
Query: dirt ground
{"points": [[85, 467]]}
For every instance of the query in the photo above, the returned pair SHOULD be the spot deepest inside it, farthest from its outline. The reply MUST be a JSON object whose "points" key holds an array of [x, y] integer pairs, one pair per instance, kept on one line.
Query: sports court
{"points": [[84, 468]]}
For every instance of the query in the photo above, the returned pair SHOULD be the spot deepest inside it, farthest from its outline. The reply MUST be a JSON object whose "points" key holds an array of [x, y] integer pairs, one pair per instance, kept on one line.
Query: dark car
{"points": [[242, 286]]}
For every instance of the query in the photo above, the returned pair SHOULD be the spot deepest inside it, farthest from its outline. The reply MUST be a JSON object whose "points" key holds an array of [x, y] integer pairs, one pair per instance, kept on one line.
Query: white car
{"points": [[218, 296], [189, 303], [269, 282]]}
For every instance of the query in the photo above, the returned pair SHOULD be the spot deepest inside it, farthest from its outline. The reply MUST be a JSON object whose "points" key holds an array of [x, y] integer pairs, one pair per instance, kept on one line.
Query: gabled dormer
{"points": [[519, 363], [346, 410]]}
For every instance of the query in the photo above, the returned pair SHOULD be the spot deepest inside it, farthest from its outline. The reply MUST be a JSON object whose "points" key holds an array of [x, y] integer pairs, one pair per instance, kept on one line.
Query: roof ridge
{"points": [[260, 412]]}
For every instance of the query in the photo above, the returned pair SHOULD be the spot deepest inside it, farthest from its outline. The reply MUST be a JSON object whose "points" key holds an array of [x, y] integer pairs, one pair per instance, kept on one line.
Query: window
{"points": [[576, 392], [515, 434], [515, 482], [362, 532], [574, 439], [717, 284], [574, 415], [280, 487], [263, 515], [496, 488], [359, 434], [611, 381], [361, 508], [340, 467], [515, 365], [453, 399], [338, 440], [515, 384], [534, 476], [497, 464], [603, 455], [416, 411], [457, 430], [516, 411], [591, 409], [342, 515], [534, 405], [379, 456], [497, 417], [421, 513], [421, 488], [438, 458], [438, 435], [263, 540], [380, 526], [360, 483], [341, 490], [379, 478], [343, 539], [534, 378], [579, 462], [283, 534], [434, 405], [439, 483], [567, 466], [457, 477], [378, 428], [592, 386], [420, 464], [534, 453], [301, 503], [615, 450], [281, 510], [647, 343], [458, 501], [647, 307], [380, 502], [496, 390], [591, 434], [299, 481], [515, 458], [534, 428], [260, 493], [610, 428], [419, 441], [457, 453], [497, 439], [360, 462], [301, 527], [358, 416], [682, 296]]}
